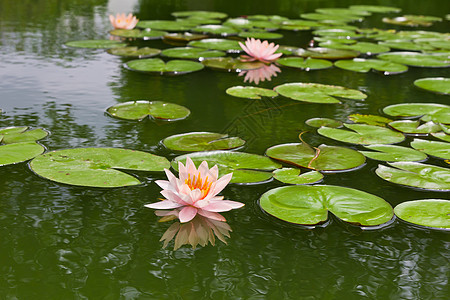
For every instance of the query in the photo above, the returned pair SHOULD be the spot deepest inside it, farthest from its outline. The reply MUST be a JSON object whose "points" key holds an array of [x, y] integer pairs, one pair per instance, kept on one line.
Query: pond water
{"points": [[65, 242]]}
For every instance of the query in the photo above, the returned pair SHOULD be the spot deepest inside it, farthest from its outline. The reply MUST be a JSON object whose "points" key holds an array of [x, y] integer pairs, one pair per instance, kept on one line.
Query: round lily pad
{"points": [[415, 127], [416, 175], [362, 47], [231, 64], [309, 205], [248, 24], [363, 134], [331, 19], [134, 52], [19, 152], [438, 85], [323, 158], [393, 153], [96, 167], [407, 45], [338, 33], [217, 44], [327, 53], [250, 92], [95, 44], [412, 20], [368, 119], [293, 176], [191, 53], [138, 34], [416, 59], [184, 37], [216, 30], [138, 110], [296, 25], [437, 149], [431, 213], [306, 64], [442, 136], [246, 167], [375, 8], [166, 25], [365, 65], [158, 66], [343, 11], [317, 93], [319, 122], [12, 135], [439, 113], [199, 14], [202, 141], [262, 35]]}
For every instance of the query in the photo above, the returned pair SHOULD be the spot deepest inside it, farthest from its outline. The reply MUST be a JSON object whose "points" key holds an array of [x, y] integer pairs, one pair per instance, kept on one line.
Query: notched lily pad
{"points": [[250, 92], [393, 153], [138, 34], [12, 135], [216, 30], [437, 149], [217, 44], [375, 8], [19, 152], [438, 113], [293, 176], [230, 64], [362, 47], [368, 119], [166, 25], [184, 37], [415, 127], [138, 110], [199, 14], [158, 66], [95, 44], [438, 85], [134, 52], [191, 53], [319, 122], [416, 59], [431, 213], [304, 64], [202, 141], [327, 53], [365, 65], [262, 35], [412, 20]]}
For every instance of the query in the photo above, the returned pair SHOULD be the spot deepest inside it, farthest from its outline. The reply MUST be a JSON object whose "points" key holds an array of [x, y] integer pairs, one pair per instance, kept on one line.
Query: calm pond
{"points": [[66, 242]]}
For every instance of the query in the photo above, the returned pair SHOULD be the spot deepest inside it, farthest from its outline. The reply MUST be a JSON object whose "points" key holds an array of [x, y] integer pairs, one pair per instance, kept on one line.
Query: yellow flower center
{"points": [[198, 183]]}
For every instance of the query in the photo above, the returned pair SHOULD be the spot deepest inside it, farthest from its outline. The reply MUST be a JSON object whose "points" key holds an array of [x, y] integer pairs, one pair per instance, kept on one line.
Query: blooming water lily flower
{"points": [[257, 50], [123, 22], [195, 192]]}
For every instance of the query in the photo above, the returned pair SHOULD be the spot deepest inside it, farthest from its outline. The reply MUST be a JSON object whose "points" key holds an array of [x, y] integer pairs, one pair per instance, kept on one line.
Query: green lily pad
{"points": [[407, 45], [166, 25], [365, 65], [368, 119], [200, 21], [416, 59], [184, 37], [216, 30], [12, 135], [231, 64], [412, 20], [309, 205], [438, 85], [138, 110], [362, 47], [95, 44], [158, 66], [217, 44], [202, 141], [306, 64], [19, 152], [393, 153], [415, 127], [96, 167], [297, 25], [338, 33], [439, 113], [317, 93], [250, 92], [363, 134], [323, 158], [319, 122], [246, 167], [248, 24], [191, 53], [262, 35], [343, 11], [138, 34], [437, 149], [293, 176], [327, 53], [272, 18], [442, 136], [375, 8], [331, 19], [134, 52], [199, 14], [431, 213]]}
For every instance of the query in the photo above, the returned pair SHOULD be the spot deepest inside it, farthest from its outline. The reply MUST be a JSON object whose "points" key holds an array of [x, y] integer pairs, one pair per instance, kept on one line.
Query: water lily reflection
{"points": [[262, 74], [121, 21]]}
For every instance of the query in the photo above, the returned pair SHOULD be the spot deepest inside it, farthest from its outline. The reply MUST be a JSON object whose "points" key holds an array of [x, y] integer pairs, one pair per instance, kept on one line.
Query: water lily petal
{"points": [[170, 195], [211, 215], [165, 204], [187, 214], [221, 183]]}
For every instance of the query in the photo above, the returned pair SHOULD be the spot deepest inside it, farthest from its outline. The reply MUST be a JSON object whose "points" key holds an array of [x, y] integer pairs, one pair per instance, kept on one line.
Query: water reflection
{"points": [[261, 74]]}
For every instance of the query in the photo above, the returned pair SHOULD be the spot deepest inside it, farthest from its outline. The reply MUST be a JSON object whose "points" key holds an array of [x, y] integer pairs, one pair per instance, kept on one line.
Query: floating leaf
{"points": [[417, 175], [263, 35], [331, 19], [293, 176], [393, 153], [442, 136], [327, 53], [307, 64], [138, 110], [217, 44], [166, 25], [96, 44], [368, 119], [415, 127], [432, 213], [247, 24], [438, 113], [343, 11], [317, 93], [375, 8], [438, 85], [216, 29], [407, 45], [438, 149], [12, 135], [365, 65], [184, 37], [412, 20], [19, 152], [199, 14], [158, 66], [416, 59], [323, 158], [362, 47], [309, 205], [231, 64], [138, 34], [202, 141], [250, 92], [363, 134], [296, 25], [134, 52], [246, 167], [319, 122], [337, 33], [191, 53]]}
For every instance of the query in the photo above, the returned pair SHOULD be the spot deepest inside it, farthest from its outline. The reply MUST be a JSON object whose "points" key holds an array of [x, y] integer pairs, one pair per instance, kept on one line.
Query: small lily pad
{"points": [[416, 59], [437, 149], [431, 213], [368, 119], [331, 19], [293, 176], [134, 52], [305, 64], [362, 47], [95, 44], [217, 44], [439, 113], [138, 34], [231, 64], [184, 37], [327, 53], [376, 8], [416, 175], [96, 167], [407, 45], [158, 66], [199, 14], [309, 205], [297, 25], [338, 33], [248, 24], [216, 30], [393, 153], [365, 65], [263, 35], [412, 20], [191, 53], [343, 11], [12, 135], [319, 122], [415, 127], [202, 141], [166, 25], [442, 136], [138, 110], [250, 92], [438, 85], [363, 134], [317, 93], [19, 152]]}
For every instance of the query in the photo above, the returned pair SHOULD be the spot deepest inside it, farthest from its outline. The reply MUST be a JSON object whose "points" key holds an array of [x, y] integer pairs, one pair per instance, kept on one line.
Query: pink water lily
{"points": [[257, 50], [195, 192], [123, 22]]}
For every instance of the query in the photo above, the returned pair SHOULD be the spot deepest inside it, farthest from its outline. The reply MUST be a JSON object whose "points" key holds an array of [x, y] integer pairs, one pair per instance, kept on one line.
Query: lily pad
{"points": [[138, 110], [416, 175], [407, 45], [297, 25], [19, 152], [250, 92], [375, 8], [431, 213], [362, 47], [319, 122], [199, 14], [191, 53], [216, 30], [96, 167], [343, 11], [365, 65], [416, 59], [12, 135], [363, 134], [439, 113], [158, 66], [338, 33], [333, 19], [248, 24], [166, 25], [184, 37], [306, 64], [415, 127], [438, 85], [437, 149], [246, 167], [263, 35], [231, 64], [95, 44], [309, 205], [412, 20], [327, 53], [293, 176], [442, 136], [317, 93], [217, 44], [138, 34], [202, 141], [134, 52], [323, 158], [368, 119], [393, 153]]}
